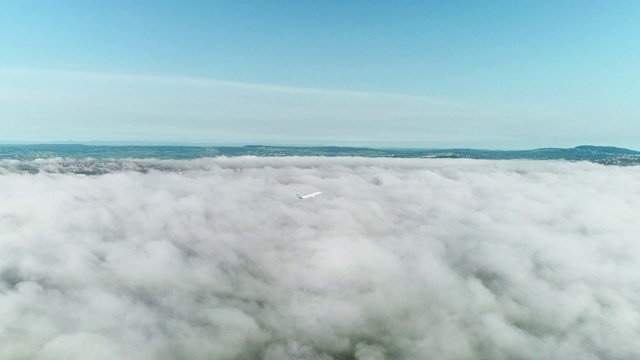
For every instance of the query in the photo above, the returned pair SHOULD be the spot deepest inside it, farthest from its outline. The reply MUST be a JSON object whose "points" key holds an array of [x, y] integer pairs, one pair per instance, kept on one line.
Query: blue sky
{"points": [[490, 74]]}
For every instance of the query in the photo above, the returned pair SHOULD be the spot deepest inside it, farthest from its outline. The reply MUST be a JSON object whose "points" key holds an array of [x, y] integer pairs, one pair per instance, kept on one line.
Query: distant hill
{"points": [[599, 154], [606, 149]]}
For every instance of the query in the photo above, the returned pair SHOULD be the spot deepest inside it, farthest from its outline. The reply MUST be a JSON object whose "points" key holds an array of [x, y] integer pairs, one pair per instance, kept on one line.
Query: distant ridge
{"points": [[607, 149], [608, 155]]}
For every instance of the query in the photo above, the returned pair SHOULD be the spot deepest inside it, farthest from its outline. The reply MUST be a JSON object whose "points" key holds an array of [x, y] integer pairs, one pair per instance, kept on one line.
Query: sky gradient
{"points": [[494, 74]]}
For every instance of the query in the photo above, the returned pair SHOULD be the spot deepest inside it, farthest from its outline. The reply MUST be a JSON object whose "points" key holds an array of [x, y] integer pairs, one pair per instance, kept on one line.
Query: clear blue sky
{"points": [[491, 74]]}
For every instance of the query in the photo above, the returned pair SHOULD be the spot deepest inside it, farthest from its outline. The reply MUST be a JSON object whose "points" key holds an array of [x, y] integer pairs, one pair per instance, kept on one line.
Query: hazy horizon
{"points": [[301, 145]]}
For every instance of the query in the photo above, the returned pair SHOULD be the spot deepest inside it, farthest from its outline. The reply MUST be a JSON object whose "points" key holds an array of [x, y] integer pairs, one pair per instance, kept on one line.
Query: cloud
{"points": [[397, 259], [41, 105]]}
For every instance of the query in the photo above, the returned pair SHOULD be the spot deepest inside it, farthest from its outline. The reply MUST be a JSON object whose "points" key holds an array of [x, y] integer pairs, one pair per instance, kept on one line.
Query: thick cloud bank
{"points": [[398, 259]]}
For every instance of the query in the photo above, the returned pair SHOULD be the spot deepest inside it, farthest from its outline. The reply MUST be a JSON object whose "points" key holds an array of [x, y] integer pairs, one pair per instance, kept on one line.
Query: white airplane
{"points": [[302, 197]]}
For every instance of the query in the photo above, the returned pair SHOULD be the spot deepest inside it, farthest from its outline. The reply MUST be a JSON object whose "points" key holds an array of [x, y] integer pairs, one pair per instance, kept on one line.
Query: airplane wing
{"points": [[302, 197]]}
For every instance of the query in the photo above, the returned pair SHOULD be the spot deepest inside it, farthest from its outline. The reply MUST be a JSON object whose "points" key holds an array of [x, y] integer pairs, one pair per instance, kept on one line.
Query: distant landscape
{"points": [[598, 154]]}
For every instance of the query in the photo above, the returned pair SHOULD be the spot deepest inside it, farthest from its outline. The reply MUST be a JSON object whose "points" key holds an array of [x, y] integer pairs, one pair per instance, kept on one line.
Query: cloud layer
{"points": [[398, 259]]}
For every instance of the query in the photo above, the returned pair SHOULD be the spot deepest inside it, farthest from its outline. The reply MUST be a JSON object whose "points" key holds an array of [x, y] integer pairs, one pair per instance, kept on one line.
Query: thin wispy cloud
{"points": [[397, 259], [42, 105]]}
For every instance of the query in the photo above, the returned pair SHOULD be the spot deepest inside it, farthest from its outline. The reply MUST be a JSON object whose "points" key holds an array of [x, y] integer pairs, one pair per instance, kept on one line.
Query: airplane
{"points": [[302, 197]]}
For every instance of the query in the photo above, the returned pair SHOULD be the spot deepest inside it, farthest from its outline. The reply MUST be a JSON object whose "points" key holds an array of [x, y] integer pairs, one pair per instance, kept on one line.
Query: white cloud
{"points": [[398, 259]]}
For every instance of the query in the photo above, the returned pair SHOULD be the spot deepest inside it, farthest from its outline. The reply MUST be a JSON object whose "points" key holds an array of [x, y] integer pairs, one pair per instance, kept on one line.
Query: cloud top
{"points": [[399, 259]]}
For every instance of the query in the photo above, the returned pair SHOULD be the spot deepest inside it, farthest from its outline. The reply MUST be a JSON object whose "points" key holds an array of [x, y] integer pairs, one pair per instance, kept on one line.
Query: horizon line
{"points": [[119, 143]]}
